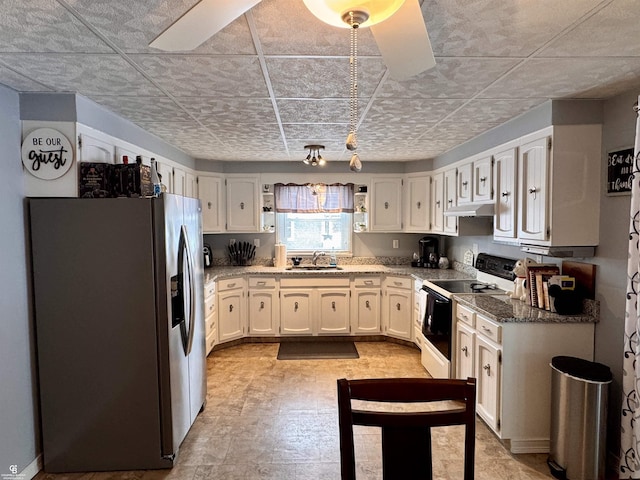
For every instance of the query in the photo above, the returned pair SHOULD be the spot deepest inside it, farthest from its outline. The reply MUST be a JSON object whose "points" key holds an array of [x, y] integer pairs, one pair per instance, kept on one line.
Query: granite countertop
{"points": [[503, 309], [215, 273]]}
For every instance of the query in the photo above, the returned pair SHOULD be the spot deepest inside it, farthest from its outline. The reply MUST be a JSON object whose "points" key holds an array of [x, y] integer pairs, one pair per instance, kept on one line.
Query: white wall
{"points": [[19, 438]]}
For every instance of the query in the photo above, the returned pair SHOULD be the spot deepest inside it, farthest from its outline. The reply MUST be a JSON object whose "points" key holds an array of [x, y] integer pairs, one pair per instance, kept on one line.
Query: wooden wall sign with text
{"points": [[47, 154], [619, 168]]}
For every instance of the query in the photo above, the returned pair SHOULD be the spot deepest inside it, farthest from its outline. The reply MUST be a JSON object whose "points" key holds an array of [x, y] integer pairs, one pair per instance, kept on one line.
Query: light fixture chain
{"points": [[353, 74]]}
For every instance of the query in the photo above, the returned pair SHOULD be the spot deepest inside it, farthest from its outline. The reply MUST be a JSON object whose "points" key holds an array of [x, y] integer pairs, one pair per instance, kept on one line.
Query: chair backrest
{"points": [[406, 435]]}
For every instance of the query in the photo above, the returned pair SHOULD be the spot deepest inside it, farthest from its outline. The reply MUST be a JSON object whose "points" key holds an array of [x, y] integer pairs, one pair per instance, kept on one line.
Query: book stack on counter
{"points": [[540, 277]]}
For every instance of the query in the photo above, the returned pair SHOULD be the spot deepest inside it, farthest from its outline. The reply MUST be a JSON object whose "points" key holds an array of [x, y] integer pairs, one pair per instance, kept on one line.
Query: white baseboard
{"points": [[541, 445], [32, 469]]}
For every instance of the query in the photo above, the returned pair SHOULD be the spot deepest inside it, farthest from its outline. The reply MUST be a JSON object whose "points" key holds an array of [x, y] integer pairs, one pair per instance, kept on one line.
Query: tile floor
{"points": [[277, 419]]}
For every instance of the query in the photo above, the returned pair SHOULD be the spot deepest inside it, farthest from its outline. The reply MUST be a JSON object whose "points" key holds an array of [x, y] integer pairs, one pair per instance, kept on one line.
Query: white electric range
{"points": [[495, 277]]}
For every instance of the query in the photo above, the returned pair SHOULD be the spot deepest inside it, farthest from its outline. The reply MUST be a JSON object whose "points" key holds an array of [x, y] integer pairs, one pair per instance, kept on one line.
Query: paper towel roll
{"points": [[281, 255]]}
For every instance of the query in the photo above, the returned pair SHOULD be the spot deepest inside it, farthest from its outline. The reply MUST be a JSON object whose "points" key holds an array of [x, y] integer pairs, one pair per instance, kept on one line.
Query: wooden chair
{"points": [[406, 436]]}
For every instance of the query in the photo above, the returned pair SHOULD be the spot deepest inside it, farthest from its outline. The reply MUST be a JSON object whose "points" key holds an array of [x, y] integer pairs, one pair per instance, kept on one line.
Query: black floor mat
{"points": [[316, 350]]}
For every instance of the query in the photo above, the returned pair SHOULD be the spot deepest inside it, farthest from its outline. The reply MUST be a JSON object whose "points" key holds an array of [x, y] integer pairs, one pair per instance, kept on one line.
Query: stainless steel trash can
{"points": [[579, 394]]}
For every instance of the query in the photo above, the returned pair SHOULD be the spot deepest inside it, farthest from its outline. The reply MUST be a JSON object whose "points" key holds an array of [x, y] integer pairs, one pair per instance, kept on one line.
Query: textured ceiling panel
{"points": [[277, 78]]}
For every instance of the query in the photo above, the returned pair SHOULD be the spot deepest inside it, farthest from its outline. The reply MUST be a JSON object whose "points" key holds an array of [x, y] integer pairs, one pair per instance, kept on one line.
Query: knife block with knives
{"points": [[241, 253]]}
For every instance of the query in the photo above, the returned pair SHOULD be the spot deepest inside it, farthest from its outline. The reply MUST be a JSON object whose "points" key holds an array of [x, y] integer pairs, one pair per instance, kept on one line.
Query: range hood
{"points": [[471, 210], [559, 251]]}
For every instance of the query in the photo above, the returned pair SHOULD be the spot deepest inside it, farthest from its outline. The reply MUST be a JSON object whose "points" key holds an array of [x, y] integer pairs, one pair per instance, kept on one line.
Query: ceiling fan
{"points": [[397, 26]]}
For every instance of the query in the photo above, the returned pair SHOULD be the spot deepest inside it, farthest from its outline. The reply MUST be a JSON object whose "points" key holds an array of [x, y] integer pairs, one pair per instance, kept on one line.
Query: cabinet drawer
{"points": [[210, 323], [300, 281], [465, 315], [489, 329], [366, 282], [209, 306], [230, 284], [209, 289], [262, 282], [211, 341], [399, 282]]}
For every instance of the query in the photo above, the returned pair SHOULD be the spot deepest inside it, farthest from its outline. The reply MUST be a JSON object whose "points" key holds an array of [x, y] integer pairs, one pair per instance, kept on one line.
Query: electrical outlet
{"points": [[395, 244], [232, 241], [256, 242]]}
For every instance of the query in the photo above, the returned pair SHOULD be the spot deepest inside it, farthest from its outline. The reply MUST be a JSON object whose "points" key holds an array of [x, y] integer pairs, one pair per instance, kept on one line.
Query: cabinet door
{"points": [[482, 180], [95, 150], [242, 204], [262, 312], [418, 196], [166, 176], [210, 195], [365, 314], [191, 186], [488, 373], [387, 205], [230, 315], [399, 313], [533, 168], [179, 181], [334, 311], [295, 312], [464, 355], [450, 223], [464, 184], [437, 202], [505, 173]]}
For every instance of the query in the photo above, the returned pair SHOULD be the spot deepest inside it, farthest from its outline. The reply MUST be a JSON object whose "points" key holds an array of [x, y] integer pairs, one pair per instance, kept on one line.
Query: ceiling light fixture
{"points": [[314, 158]]}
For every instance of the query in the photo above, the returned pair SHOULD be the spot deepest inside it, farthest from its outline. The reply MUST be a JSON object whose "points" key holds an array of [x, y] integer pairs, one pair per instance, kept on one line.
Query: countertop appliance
{"points": [[494, 277], [208, 255], [429, 253], [118, 290]]}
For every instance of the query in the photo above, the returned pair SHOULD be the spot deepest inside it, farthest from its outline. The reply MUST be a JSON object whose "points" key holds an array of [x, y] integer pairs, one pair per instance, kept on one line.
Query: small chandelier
{"points": [[314, 158]]}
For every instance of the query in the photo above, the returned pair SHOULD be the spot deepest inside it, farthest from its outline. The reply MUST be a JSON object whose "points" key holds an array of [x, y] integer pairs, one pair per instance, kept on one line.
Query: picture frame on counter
{"points": [[619, 169]]}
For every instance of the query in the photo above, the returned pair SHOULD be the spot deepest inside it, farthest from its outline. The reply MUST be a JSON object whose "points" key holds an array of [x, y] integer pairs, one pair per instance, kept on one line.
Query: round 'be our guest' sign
{"points": [[47, 154]]}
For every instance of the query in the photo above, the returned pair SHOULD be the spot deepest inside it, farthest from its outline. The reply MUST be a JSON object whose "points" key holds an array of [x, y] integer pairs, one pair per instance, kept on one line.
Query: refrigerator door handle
{"points": [[192, 295]]}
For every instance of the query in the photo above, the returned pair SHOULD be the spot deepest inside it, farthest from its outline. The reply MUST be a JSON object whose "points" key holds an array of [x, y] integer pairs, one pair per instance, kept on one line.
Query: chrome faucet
{"points": [[317, 254]]}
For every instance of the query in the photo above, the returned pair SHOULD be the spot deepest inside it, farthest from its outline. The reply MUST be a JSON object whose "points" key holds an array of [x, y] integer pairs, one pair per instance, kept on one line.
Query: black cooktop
{"points": [[466, 286]]}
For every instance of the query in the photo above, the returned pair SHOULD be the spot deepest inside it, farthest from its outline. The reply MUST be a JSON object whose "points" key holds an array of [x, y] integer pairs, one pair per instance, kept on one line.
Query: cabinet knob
{"points": [[241, 205], [483, 179], [465, 183], [295, 307], [506, 194], [450, 201], [209, 205], [261, 305], [231, 308], [386, 205], [438, 203], [366, 304], [419, 204], [465, 350], [487, 368], [398, 306], [534, 192], [333, 305]]}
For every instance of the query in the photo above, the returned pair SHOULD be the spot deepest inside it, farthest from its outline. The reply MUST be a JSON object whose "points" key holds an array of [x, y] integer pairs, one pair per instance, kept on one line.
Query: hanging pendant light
{"points": [[314, 158]]}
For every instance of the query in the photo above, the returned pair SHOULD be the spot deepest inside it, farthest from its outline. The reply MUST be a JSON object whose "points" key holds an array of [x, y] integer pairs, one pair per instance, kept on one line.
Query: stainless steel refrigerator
{"points": [[118, 297]]}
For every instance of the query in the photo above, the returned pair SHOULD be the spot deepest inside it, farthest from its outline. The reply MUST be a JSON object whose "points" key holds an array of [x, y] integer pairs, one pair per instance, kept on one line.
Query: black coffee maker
{"points": [[429, 254]]}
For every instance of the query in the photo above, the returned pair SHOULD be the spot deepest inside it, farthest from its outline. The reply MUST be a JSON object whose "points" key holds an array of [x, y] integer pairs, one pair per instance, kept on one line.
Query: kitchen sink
{"points": [[314, 267]]}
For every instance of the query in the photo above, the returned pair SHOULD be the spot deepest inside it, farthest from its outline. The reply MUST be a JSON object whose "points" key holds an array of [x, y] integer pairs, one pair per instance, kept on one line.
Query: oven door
{"points": [[436, 329]]}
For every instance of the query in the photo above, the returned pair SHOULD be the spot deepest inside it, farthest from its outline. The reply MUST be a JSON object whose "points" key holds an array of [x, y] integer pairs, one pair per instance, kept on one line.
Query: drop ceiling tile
{"points": [[201, 75], [450, 78], [141, 108], [494, 110], [322, 77], [313, 131], [455, 132], [382, 131], [245, 132], [292, 29], [567, 77], [133, 25], [322, 110], [87, 74], [44, 26], [19, 82], [416, 111], [612, 29], [227, 110], [499, 28]]}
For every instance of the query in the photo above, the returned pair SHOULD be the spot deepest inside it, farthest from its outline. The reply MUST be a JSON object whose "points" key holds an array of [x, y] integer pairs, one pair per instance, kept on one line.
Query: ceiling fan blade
{"points": [[404, 42], [200, 23]]}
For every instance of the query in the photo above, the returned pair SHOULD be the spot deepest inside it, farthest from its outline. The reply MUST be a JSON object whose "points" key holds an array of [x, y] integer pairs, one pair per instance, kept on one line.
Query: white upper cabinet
{"points": [[464, 185], [482, 180], [210, 193], [505, 173], [533, 165], [386, 215], [417, 206], [437, 202], [179, 181], [191, 186], [242, 204], [450, 196], [165, 172]]}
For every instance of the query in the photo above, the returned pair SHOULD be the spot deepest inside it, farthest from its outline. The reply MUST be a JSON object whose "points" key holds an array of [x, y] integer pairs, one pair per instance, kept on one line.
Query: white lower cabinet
{"points": [[231, 308], [210, 315], [333, 314], [295, 311], [365, 305], [398, 307], [510, 361], [264, 306]]}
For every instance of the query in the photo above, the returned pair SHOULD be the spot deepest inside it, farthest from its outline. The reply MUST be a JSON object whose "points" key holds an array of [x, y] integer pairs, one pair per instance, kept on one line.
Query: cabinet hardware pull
{"points": [[534, 191], [465, 350], [231, 308], [241, 205], [386, 205], [333, 305], [506, 194], [231, 285], [398, 306], [368, 282], [465, 183], [483, 179], [261, 305], [295, 307], [209, 205], [419, 204], [261, 283], [450, 201], [366, 304], [487, 368], [487, 330], [438, 203]]}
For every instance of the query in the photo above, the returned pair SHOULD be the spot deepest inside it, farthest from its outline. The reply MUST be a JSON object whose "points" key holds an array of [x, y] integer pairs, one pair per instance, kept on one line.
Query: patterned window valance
{"points": [[313, 198]]}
